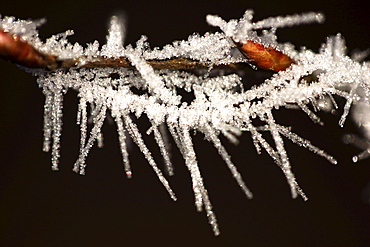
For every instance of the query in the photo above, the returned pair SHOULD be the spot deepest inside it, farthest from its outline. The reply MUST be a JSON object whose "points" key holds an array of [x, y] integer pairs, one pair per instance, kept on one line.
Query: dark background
{"points": [[39, 207]]}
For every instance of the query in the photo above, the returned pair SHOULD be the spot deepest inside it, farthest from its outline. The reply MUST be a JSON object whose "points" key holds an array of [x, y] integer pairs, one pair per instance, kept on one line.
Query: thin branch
{"points": [[15, 50], [122, 62]]}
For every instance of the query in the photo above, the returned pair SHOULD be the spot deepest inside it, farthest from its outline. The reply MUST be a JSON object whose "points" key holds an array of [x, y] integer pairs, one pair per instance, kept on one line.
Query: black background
{"points": [[39, 207]]}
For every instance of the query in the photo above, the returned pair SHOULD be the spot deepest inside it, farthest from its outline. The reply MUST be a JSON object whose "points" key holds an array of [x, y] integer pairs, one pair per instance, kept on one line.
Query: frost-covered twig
{"points": [[221, 105]]}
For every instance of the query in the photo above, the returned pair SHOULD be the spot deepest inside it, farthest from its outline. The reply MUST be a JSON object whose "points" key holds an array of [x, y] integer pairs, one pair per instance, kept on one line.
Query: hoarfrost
{"points": [[220, 106]]}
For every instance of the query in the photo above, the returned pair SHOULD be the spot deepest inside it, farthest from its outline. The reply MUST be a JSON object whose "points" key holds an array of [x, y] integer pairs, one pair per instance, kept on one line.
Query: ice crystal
{"points": [[220, 106], [360, 116]]}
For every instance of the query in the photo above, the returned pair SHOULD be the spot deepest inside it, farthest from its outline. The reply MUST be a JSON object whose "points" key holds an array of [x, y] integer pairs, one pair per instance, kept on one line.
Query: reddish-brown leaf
{"points": [[18, 51], [265, 57]]}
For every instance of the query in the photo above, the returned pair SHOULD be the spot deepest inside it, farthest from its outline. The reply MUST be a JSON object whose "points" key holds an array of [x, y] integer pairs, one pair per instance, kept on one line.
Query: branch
{"points": [[15, 50], [122, 62]]}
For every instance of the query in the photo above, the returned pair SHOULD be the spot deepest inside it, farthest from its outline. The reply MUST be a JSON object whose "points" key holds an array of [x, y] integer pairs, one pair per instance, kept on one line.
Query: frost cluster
{"points": [[221, 106]]}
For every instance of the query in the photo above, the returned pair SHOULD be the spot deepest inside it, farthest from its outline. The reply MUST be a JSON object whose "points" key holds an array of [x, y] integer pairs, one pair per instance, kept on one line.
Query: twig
{"points": [[122, 62], [15, 50]]}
